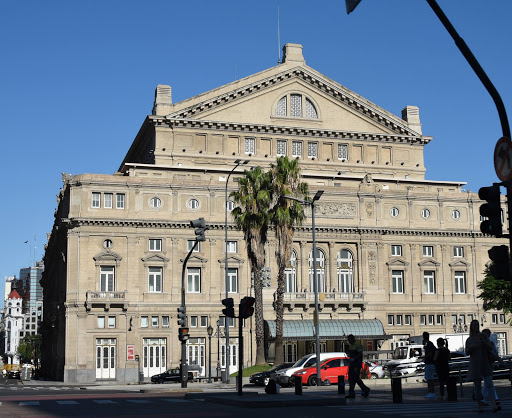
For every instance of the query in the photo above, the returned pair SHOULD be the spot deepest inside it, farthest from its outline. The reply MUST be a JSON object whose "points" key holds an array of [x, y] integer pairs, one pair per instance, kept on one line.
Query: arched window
{"points": [[290, 274], [294, 104], [320, 270], [345, 273]]}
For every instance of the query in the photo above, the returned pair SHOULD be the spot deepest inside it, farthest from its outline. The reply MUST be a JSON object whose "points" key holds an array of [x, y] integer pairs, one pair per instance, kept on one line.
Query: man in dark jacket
{"points": [[430, 351], [355, 353]]}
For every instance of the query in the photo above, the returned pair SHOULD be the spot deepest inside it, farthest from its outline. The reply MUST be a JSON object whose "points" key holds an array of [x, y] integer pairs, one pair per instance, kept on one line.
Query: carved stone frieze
{"points": [[340, 210]]}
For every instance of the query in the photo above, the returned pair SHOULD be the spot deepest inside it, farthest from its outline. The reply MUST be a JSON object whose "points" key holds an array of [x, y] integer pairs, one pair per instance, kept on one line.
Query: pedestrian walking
{"points": [[493, 339], [441, 359], [478, 347], [430, 351], [355, 362]]}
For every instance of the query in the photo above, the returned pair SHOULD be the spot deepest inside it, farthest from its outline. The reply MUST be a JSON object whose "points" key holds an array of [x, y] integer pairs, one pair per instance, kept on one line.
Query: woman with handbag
{"points": [[478, 347]]}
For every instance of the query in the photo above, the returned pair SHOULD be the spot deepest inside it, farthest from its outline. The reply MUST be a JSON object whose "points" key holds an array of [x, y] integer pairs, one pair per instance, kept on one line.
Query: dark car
{"points": [[171, 375], [13, 374], [262, 378]]}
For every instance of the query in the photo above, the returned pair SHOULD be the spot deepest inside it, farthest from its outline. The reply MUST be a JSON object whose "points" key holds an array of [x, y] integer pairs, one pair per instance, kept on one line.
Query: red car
{"points": [[330, 369]]}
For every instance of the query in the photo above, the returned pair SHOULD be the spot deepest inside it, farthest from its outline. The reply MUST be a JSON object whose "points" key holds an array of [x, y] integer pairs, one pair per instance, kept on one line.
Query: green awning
{"points": [[333, 329]]}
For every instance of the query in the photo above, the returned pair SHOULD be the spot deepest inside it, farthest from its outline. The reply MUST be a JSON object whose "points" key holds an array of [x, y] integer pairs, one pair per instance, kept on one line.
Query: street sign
{"points": [[503, 159]]}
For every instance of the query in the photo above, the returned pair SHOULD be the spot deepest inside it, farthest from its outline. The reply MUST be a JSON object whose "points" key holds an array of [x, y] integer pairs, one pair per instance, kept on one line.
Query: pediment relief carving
{"points": [[429, 263], [197, 260], [459, 264], [398, 262], [155, 258], [107, 256], [367, 185], [231, 260]]}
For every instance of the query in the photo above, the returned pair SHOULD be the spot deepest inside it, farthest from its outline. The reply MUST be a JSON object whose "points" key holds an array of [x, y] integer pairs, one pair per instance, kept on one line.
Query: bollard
{"points": [[271, 388], [341, 385], [396, 389], [460, 380], [451, 388], [298, 386]]}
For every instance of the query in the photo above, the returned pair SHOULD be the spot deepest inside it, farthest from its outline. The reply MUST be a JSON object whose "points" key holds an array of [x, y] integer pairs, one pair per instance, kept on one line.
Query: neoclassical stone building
{"points": [[397, 254]]}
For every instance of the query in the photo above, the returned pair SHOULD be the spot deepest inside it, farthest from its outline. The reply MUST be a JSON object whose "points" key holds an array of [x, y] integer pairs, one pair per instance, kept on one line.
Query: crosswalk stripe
{"points": [[67, 402], [138, 400], [175, 400], [104, 401], [29, 403]]}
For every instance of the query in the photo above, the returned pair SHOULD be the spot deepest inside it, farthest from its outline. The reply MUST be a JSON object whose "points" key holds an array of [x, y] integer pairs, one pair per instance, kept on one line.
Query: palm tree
{"points": [[285, 214], [252, 216]]}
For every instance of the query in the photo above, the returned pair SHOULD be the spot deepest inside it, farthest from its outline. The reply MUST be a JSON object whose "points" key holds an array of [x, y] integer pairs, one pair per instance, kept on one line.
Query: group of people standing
{"points": [[482, 354]]}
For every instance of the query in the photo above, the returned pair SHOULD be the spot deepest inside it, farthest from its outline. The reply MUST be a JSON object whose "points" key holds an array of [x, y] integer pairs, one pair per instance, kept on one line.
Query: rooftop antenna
{"points": [[278, 38]]}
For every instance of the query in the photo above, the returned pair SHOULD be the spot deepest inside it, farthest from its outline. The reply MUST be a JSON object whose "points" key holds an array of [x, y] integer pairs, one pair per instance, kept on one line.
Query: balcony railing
{"points": [[106, 299], [330, 299]]}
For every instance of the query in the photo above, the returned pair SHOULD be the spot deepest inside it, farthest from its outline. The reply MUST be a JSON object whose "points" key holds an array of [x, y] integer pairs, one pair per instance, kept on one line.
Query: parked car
{"points": [[330, 370], [262, 378], [375, 370], [171, 375], [283, 376]]}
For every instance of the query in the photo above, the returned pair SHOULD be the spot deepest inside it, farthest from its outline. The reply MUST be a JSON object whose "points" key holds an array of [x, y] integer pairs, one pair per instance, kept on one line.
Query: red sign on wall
{"points": [[130, 352]]}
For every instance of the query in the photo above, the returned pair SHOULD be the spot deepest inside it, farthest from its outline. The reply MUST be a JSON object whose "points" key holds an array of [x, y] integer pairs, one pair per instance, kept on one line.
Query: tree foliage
{"points": [[29, 348], [496, 293]]}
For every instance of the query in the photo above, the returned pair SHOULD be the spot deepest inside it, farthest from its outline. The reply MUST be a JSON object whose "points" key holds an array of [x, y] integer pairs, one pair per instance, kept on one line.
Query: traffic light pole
{"points": [[240, 355], [183, 362]]}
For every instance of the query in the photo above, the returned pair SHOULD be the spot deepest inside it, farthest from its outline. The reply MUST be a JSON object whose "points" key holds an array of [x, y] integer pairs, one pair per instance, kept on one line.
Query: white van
{"points": [[309, 360]]}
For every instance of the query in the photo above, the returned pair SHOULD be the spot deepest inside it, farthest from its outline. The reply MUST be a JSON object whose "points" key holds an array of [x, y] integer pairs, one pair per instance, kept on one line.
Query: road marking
{"points": [[138, 401], [104, 401], [31, 403], [67, 402], [175, 400]]}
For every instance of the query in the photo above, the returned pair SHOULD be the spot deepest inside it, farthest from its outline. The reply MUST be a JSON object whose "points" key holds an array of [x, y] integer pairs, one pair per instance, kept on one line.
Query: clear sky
{"points": [[77, 80]]}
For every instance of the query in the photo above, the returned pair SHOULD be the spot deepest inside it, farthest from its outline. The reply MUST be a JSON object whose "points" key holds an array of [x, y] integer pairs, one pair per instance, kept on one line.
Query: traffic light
{"points": [[182, 316], [229, 311], [200, 226], [500, 268], [246, 307], [491, 210], [183, 334]]}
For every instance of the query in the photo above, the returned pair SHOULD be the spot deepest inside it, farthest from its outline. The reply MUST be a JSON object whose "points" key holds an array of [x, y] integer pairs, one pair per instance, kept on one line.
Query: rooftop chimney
{"points": [[293, 53], [163, 100], [411, 114]]}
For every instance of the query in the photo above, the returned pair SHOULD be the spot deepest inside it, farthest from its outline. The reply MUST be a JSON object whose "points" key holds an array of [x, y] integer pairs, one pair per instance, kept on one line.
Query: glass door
{"points": [[105, 358], [154, 356]]}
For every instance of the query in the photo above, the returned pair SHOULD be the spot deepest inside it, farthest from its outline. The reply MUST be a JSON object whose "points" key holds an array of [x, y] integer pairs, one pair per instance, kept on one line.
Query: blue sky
{"points": [[77, 80]]}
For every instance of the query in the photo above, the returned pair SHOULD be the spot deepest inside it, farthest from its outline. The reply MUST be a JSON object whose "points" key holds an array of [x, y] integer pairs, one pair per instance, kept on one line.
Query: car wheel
{"points": [[160, 380], [312, 381], [265, 382], [374, 376]]}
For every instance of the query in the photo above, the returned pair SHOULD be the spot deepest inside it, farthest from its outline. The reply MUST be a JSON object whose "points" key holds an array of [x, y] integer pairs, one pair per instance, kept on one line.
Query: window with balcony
{"points": [[107, 282], [290, 274], [344, 271]]}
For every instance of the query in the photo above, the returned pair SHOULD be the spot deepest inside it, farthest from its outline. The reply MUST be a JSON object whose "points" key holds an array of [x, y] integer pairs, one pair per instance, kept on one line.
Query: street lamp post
{"points": [[226, 277], [209, 330], [218, 349], [317, 196]]}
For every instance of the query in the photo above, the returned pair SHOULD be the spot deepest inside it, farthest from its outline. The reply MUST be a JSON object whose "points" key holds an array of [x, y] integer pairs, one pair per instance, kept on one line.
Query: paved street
{"points": [[56, 399]]}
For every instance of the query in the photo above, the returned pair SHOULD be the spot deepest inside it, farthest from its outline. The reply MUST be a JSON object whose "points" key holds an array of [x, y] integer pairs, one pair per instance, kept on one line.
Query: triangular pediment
{"points": [[254, 99], [106, 256], [429, 264], [232, 260], [459, 263], [197, 259], [398, 262], [155, 258]]}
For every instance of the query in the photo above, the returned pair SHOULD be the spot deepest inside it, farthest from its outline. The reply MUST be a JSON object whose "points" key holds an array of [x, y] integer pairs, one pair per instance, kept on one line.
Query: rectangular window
{"points": [[144, 322], [120, 201], [107, 279], [408, 320], [399, 320], [233, 280], [249, 146], [429, 282], [204, 321], [431, 319], [502, 318], [312, 149], [193, 321], [155, 279], [222, 321], [439, 319], [423, 319], [111, 321], [96, 200], [428, 251], [193, 280], [494, 318], [190, 245], [460, 282], [155, 244], [342, 152], [101, 322], [396, 250], [458, 251], [108, 199], [391, 319], [398, 281], [165, 321], [297, 149], [232, 246], [454, 319], [154, 321], [281, 148]]}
